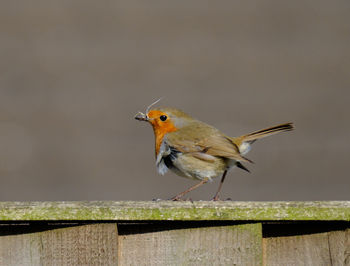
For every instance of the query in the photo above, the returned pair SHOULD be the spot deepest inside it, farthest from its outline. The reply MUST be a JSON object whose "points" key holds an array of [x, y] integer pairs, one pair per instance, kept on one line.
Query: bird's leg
{"points": [[180, 195], [216, 197]]}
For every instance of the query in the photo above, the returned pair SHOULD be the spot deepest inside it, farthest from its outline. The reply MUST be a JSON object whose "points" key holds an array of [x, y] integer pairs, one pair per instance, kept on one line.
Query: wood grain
{"points": [[329, 248], [217, 245], [339, 245], [94, 244]]}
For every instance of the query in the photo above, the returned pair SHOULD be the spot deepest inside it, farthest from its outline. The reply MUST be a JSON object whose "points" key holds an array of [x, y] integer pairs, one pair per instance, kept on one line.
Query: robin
{"points": [[196, 150]]}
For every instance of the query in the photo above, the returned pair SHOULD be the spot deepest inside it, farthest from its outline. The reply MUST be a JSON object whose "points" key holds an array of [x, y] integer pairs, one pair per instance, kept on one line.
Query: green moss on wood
{"points": [[167, 210]]}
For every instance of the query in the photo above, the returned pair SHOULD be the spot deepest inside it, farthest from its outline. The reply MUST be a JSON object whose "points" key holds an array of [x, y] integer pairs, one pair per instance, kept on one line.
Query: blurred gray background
{"points": [[74, 73]]}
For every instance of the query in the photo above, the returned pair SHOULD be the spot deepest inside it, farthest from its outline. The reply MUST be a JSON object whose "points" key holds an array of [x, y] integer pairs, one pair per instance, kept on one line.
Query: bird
{"points": [[196, 150]]}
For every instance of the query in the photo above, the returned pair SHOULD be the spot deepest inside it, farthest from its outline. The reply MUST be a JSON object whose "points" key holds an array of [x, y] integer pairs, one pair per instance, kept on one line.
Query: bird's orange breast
{"points": [[160, 127]]}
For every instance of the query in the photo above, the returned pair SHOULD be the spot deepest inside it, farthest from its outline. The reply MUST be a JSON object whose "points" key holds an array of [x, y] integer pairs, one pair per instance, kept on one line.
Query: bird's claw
{"points": [[215, 198]]}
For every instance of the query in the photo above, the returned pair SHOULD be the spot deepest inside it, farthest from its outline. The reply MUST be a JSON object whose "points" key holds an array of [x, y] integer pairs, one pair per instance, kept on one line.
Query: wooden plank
{"points": [[339, 245], [218, 245], [94, 244], [168, 210], [329, 248], [297, 250]]}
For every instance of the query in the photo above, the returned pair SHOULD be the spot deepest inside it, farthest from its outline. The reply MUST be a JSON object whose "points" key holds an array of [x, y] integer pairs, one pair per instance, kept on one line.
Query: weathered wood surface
{"points": [[329, 248], [173, 233], [339, 245], [218, 245], [94, 244], [168, 210]]}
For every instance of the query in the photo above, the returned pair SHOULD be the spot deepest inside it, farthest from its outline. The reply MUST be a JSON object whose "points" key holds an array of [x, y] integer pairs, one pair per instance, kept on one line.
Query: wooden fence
{"points": [[175, 233]]}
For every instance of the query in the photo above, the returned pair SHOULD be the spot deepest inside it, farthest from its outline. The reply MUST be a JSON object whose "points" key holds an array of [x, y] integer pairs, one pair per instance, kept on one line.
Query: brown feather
{"points": [[239, 165], [202, 137], [251, 137]]}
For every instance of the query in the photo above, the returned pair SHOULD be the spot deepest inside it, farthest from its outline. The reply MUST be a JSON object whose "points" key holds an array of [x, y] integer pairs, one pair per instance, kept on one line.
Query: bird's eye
{"points": [[163, 117]]}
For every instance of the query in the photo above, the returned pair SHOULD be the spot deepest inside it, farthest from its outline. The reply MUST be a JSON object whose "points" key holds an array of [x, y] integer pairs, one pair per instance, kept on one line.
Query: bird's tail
{"points": [[266, 132], [243, 142]]}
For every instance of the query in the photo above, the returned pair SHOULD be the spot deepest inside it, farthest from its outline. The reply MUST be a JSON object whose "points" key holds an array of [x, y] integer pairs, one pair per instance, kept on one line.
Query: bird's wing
{"points": [[202, 139]]}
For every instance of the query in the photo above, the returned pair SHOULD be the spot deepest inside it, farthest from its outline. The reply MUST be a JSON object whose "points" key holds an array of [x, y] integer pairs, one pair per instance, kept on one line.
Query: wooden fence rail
{"points": [[175, 233]]}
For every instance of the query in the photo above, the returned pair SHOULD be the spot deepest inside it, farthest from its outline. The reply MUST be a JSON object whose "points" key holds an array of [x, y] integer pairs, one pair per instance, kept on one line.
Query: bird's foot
{"points": [[216, 198], [176, 198]]}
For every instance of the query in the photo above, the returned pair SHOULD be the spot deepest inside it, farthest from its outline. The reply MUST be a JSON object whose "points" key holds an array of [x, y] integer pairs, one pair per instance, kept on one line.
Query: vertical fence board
{"points": [[339, 245], [217, 245], [20, 250], [329, 248], [94, 244]]}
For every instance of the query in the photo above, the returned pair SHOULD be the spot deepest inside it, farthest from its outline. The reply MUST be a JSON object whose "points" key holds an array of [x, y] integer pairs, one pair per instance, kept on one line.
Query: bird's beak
{"points": [[141, 116]]}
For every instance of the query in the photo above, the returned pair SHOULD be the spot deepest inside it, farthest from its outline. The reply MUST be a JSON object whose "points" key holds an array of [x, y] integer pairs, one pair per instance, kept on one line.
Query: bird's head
{"points": [[164, 120]]}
